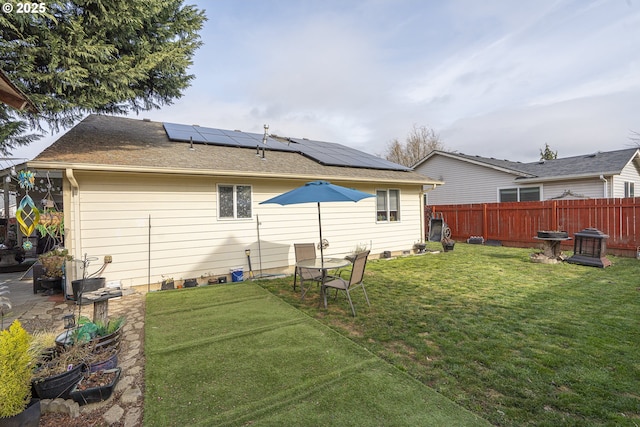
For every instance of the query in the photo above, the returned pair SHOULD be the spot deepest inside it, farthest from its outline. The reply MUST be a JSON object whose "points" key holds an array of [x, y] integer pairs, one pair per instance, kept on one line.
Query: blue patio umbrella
{"points": [[318, 192]]}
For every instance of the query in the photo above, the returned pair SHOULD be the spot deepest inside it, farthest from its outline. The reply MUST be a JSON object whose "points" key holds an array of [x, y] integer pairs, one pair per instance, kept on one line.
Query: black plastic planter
{"points": [[110, 363], [190, 283], [30, 417], [58, 385], [95, 394]]}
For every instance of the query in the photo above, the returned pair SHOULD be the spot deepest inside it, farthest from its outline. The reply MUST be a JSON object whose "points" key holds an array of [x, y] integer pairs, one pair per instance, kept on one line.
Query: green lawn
{"points": [[518, 343], [235, 355]]}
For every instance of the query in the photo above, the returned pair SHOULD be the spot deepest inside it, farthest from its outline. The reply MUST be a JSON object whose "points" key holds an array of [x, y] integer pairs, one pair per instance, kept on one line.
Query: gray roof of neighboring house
{"points": [[594, 164], [116, 143]]}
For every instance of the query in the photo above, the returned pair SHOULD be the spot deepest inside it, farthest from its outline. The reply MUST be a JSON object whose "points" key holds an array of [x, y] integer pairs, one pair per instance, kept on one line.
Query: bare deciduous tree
{"points": [[420, 141]]}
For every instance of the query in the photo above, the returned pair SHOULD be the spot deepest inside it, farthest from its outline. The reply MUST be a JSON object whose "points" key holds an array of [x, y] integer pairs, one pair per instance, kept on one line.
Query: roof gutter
{"points": [[566, 177], [228, 173]]}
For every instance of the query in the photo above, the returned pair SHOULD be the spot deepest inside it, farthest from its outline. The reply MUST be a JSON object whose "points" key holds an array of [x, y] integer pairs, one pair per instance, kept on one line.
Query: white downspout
{"points": [[606, 186], [75, 207]]}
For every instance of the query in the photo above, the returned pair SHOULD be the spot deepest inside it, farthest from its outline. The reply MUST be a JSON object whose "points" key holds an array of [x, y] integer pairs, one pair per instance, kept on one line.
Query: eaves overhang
{"points": [[413, 180], [565, 177], [11, 95]]}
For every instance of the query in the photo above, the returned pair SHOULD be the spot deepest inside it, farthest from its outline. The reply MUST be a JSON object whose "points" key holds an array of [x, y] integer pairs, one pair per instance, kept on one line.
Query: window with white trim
{"points": [[234, 201], [629, 189], [520, 194], [387, 205]]}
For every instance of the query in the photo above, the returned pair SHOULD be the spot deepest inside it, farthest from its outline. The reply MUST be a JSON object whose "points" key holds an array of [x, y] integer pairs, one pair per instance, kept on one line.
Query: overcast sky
{"points": [[496, 78]]}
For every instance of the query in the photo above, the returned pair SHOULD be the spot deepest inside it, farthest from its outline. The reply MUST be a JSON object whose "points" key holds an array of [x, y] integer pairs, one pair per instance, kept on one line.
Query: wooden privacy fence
{"points": [[517, 223]]}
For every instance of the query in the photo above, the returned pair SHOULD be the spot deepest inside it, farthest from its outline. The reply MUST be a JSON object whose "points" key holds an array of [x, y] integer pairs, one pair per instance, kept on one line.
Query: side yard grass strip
{"points": [[230, 355]]}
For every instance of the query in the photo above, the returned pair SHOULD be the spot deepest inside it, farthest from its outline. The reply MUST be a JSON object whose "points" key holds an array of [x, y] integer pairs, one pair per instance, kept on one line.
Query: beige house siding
{"points": [[464, 182], [155, 224]]}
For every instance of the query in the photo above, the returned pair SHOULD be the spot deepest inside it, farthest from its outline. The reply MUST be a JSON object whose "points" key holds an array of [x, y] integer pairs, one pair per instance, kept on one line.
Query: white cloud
{"points": [[573, 127], [495, 77]]}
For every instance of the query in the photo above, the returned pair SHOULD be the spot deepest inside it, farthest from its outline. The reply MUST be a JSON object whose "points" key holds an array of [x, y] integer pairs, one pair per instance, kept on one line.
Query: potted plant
{"points": [[16, 404], [448, 244], [167, 283], [360, 247], [419, 247], [190, 283], [43, 345], [95, 386], [97, 334], [53, 263], [56, 377], [51, 224], [103, 358], [109, 333]]}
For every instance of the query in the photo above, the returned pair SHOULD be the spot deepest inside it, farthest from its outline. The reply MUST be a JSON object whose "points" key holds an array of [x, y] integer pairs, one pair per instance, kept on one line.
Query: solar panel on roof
{"points": [[179, 135], [276, 145], [175, 126], [219, 140], [209, 131], [338, 155], [327, 153], [246, 142], [230, 132]]}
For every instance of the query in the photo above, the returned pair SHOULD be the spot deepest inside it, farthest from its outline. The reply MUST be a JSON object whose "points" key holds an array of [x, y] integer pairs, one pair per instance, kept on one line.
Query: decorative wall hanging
{"points": [[27, 214], [51, 222]]}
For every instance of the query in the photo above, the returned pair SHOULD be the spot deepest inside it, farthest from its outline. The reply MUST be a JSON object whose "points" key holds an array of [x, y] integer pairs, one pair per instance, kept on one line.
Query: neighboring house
{"points": [[475, 179], [184, 201]]}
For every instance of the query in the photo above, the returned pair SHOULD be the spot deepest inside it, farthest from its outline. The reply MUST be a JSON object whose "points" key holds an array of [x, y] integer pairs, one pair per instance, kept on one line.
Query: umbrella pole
{"points": [[321, 245], [259, 247]]}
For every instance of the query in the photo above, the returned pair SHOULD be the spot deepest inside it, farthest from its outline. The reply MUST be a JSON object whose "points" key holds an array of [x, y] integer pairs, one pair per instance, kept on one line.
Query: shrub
{"points": [[16, 363]]}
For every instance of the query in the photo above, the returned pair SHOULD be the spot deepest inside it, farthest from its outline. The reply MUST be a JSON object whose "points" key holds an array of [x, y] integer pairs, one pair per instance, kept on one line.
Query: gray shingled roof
{"points": [[514, 167], [107, 142], [602, 162], [594, 164]]}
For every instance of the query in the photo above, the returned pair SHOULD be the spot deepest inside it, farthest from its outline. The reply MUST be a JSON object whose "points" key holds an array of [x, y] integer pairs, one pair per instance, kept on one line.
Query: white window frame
{"points": [[235, 202], [629, 189], [518, 192], [388, 211]]}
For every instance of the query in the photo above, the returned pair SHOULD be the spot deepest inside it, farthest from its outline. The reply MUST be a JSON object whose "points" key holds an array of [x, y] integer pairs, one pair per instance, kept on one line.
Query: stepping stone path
{"points": [[124, 407]]}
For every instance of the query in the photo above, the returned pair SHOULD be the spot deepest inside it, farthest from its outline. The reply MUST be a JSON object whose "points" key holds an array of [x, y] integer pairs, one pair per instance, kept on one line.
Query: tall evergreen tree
{"points": [[94, 56], [548, 153]]}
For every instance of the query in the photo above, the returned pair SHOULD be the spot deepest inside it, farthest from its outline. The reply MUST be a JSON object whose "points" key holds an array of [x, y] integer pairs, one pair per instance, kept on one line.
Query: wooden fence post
{"points": [[485, 225]]}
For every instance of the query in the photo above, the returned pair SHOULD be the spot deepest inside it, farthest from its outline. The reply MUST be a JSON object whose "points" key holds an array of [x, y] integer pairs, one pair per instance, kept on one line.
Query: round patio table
{"points": [[328, 264], [325, 266]]}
